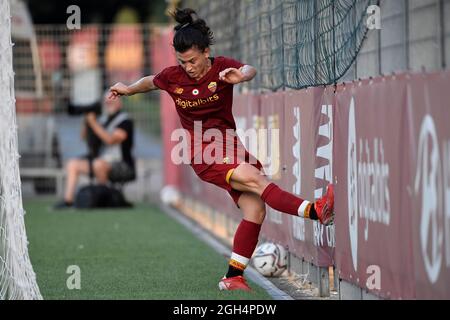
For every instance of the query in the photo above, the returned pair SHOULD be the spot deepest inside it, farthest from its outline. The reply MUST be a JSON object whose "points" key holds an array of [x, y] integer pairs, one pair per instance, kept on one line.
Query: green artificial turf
{"points": [[123, 254]]}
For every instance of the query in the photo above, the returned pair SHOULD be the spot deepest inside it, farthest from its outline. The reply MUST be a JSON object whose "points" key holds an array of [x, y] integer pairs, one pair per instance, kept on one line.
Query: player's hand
{"points": [[117, 90], [232, 76]]}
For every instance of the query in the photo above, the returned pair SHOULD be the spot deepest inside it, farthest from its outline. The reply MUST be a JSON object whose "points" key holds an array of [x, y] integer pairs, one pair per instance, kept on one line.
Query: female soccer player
{"points": [[202, 89]]}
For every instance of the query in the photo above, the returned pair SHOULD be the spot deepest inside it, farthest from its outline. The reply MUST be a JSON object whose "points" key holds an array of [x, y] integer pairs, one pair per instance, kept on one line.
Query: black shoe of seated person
{"points": [[63, 204]]}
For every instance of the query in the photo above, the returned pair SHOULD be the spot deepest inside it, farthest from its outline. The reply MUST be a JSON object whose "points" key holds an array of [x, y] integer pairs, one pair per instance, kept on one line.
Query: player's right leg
{"points": [[245, 241], [247, 178]]}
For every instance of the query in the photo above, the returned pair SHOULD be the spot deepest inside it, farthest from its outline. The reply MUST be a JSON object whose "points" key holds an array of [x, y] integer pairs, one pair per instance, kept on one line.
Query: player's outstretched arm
{"points": [[235, 76], [141, 86]]}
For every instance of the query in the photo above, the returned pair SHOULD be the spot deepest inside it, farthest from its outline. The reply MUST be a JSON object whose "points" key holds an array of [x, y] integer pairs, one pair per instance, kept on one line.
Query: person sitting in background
{"points": [[110, 141]]}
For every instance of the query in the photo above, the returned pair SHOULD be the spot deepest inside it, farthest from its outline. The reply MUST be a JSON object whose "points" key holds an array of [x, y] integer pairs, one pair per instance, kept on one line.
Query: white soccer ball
{"points": [[170, 195], [270, 259]]}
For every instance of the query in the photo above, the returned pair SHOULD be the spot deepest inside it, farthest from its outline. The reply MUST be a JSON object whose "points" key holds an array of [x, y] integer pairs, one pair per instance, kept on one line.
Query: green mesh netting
{"points": [[292, 43]]}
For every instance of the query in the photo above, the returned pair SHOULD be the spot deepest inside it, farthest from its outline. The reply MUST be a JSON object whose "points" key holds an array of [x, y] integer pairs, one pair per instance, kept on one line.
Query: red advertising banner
{"points": [[307, 152], [373, 235], [392, 168], [271, 143], [426, 177], [324, 237]]}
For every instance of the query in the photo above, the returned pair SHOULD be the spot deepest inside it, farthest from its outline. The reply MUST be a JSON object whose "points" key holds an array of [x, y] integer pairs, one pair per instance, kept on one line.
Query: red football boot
{"points": [[234, 283], [325, 207]]}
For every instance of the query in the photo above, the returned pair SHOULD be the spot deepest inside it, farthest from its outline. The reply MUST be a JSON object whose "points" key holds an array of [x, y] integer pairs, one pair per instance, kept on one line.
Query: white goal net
{"points": [[17, 279]]}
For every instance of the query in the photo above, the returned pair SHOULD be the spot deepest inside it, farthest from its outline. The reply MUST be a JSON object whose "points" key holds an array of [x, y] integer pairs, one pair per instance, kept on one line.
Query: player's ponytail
{"points": [[191, 31]]}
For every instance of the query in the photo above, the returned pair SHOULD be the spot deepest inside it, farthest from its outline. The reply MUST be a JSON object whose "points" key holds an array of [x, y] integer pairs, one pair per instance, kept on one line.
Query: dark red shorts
{"points": [[219, 173]]}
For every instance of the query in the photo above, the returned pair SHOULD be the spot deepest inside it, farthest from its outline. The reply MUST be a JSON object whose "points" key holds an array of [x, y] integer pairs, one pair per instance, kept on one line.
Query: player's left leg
{"points": [[247, 178], [245, 241]]}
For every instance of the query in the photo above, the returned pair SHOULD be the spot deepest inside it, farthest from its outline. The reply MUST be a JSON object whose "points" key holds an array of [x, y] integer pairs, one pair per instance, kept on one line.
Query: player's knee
{"points": [[261, 214], [252, 176], [257, 181]]}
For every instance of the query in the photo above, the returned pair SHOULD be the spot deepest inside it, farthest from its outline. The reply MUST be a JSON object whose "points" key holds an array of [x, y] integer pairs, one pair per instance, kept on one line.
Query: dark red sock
{"points": [[245, 241], [286, 202]]}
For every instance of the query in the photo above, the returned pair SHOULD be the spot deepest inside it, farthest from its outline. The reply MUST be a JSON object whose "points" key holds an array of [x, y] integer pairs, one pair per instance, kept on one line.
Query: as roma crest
{"points": [[212, 87]]}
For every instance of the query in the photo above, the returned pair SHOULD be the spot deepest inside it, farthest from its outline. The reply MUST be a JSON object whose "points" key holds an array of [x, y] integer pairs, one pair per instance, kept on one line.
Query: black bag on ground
{"points": [[100, 196]]}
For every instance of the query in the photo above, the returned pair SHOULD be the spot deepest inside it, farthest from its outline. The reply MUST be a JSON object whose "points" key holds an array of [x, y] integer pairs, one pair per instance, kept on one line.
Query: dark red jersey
{"points": [[208, 99]]}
